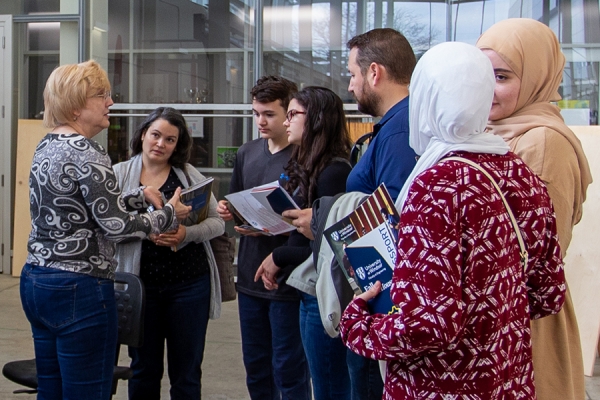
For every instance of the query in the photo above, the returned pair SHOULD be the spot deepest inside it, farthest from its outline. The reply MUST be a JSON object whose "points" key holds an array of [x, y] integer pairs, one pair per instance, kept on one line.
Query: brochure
{"points": [[273, 196], [372, 257], [198, 196], [239, 219], [376, 210], [257, 208]]}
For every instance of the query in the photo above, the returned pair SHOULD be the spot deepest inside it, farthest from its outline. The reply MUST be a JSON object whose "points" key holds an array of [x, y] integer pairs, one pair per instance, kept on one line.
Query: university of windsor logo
{"points": [[360, 271]]}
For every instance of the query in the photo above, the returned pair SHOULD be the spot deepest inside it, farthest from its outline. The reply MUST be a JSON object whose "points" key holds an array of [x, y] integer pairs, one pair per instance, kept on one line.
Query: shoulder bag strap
{"points": [[187, 176], [523, 253]]}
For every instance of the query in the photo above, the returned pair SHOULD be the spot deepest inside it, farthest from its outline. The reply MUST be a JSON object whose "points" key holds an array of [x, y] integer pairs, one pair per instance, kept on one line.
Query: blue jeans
{"points": [[177, 314], [365, 377], [326, 355], [275, 363], [73, 318]]}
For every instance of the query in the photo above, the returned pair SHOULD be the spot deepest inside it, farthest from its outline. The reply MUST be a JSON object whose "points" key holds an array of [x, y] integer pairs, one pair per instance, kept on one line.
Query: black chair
{"points": [[356, 150], [130, 297]]}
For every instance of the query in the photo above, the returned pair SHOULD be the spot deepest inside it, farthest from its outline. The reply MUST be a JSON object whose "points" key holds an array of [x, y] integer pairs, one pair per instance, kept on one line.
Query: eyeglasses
{"points": [[104, 95], [292, 113]]}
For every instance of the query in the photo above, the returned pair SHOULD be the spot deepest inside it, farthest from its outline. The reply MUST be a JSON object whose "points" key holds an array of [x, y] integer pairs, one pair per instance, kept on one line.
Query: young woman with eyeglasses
{"points": [[318, 167]]}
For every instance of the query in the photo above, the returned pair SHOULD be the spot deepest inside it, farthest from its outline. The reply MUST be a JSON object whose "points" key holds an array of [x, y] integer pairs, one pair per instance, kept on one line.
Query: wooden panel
{"points": [[582, 264], [30, 132], [357, 129]]}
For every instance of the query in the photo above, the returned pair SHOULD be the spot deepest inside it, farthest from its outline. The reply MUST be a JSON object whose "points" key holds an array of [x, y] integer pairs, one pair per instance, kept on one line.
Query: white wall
{"points": [[582, 264]]}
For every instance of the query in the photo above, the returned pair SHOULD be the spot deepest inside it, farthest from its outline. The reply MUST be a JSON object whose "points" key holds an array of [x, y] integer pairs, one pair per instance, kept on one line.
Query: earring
{"points": [[74, 118]]}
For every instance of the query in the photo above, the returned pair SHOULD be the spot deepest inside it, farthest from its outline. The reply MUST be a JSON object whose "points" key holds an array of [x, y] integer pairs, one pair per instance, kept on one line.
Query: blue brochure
{"points": [[198, 196], [372, 257], [280, 200]]}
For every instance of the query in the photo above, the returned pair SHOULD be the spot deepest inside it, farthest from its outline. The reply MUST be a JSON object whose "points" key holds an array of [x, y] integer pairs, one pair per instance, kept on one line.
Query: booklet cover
{"points": [[377, 209], [273, 196], [372, 257], [198, 196], [254, 210]]}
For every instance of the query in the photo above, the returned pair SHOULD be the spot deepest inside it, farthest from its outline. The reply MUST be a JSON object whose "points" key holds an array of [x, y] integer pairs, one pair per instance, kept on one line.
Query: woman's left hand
{"points": [[267, 272], [181, 210], [173, 238]]}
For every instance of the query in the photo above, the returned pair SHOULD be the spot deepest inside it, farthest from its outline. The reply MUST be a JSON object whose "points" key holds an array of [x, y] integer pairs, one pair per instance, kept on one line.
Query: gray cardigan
{"points": [[128, 254]]}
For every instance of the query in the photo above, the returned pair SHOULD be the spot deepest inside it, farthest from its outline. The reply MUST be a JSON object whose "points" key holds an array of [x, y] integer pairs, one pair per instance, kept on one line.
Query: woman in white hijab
{"points": [[464, 291]]}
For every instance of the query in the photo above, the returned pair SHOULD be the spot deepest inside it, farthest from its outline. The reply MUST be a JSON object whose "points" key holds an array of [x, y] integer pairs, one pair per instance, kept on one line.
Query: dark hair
{"points": [[272, 88], [324, 138], [387, 47], [183, 149]]}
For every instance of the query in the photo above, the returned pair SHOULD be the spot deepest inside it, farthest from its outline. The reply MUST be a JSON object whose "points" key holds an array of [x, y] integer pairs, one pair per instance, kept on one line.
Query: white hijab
{"points": [[451, 92]]}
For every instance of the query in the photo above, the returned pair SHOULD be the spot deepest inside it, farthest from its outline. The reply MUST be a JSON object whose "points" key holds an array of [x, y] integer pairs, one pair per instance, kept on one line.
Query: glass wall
{"points": [[305, 40], [179, 51], [39, 35], [192, 55], [39, 57], [199, 55]]}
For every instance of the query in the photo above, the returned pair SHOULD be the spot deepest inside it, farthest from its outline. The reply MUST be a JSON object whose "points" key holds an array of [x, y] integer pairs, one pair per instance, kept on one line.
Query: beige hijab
{"points": [[532, 51]]}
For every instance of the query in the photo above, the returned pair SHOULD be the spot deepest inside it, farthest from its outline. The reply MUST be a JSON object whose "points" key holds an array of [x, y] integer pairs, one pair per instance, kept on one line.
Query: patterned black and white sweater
{"points": [[78, 211]]}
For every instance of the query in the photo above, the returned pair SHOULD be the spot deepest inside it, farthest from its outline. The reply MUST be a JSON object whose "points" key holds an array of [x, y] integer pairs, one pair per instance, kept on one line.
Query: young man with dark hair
{"points": [[276, 367]]}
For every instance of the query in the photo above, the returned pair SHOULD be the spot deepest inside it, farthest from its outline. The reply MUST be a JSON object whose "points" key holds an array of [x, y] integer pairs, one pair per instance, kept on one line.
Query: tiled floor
{"points": [[223, 371], [592, 384]]}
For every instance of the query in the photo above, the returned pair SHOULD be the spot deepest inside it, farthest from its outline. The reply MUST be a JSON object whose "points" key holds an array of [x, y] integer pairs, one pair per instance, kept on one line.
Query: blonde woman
{"points": [[77, 213]]}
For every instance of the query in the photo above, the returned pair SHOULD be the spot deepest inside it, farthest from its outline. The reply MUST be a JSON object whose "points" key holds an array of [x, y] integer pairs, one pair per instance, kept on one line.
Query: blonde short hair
{"points": [[68, 88]]}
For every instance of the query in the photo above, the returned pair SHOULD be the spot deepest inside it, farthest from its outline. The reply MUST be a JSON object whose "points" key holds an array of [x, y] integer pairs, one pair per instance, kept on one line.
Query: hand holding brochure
{"points": [[198, 196], [372, 257], [239, 219], [364, 243], [260, 208]]}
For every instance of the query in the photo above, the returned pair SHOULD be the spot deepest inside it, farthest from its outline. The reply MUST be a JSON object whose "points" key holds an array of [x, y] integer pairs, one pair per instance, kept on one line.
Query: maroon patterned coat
{"points": [[463, 326]]}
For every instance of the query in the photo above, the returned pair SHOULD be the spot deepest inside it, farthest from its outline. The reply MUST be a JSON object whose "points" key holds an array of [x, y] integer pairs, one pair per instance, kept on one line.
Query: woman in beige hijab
{"points": [[528, 65]]}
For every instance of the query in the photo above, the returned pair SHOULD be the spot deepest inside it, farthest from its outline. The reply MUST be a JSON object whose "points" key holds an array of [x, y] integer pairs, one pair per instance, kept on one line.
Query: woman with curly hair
{"points": [[318, 167]]}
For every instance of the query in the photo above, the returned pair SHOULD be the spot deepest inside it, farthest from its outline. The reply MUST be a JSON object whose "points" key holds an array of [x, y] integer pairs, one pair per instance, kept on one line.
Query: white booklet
{"points": [[260, 208]]}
